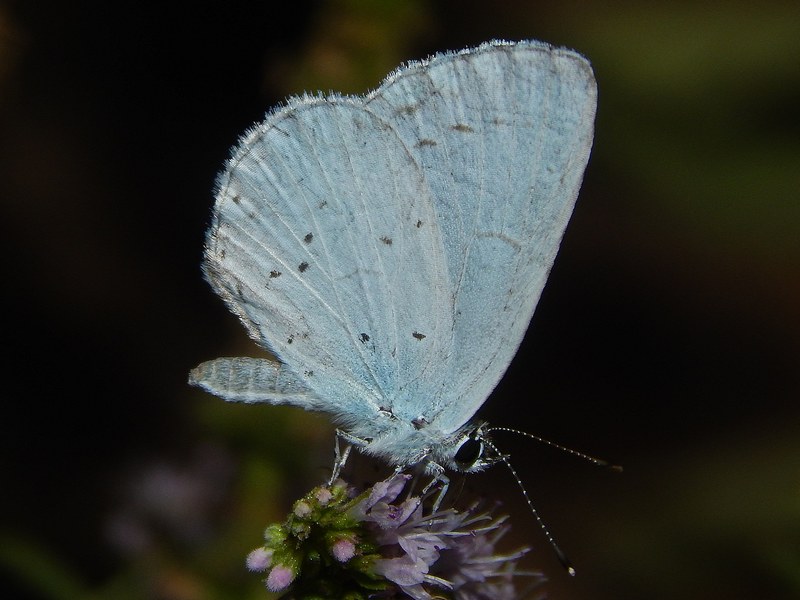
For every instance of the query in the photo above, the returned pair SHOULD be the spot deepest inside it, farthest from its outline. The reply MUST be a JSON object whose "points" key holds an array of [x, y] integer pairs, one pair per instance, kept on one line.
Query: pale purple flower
{"points": [[279, 578], [448, 549], [343, 550], [302, 509], [259, 560], [379, 546], [323, 495]]}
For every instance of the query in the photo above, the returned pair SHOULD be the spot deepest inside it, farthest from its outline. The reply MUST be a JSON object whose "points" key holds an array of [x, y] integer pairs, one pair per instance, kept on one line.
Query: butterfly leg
{"points": [[437, 471], [340, 456]]}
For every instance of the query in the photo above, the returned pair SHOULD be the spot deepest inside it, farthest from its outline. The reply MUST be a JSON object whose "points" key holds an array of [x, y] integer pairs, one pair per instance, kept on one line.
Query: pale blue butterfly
{"points": [[390, 249]]}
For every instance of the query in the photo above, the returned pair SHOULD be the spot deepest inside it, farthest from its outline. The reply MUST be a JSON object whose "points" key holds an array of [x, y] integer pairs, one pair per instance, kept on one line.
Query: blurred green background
{"points": [[667, 339]]}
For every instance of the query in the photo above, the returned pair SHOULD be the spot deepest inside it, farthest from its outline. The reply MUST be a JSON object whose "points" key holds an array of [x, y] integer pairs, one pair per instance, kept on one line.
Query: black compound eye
{"points": [[468, 453]]}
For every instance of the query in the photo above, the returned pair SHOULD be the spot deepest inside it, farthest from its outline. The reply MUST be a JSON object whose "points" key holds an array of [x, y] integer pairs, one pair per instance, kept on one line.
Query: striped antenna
{"points": [[562, 558], [595, 461]]}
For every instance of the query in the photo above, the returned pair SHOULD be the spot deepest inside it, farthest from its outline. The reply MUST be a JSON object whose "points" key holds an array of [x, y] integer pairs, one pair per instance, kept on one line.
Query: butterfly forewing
{"points": [[502, 134]]}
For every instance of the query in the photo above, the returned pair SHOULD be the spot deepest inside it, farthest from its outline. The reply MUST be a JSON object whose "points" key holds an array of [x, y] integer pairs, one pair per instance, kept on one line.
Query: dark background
{"points": [[667, 339]]}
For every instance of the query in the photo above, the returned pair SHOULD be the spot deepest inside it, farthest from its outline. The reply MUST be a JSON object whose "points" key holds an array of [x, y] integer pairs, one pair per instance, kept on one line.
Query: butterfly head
{"points": [[470, 450]]}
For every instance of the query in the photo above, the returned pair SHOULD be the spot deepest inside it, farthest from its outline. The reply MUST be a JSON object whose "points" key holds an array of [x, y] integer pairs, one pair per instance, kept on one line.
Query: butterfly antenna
{"points": [[562, 558], [595, 461]]}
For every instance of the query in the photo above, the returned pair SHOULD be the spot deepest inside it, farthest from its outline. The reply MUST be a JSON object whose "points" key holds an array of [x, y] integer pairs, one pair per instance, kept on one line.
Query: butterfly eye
{"points": [[468, 453]]}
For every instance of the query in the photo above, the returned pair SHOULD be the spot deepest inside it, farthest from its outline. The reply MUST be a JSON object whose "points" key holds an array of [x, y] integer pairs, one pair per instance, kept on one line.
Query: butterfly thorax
{"points": [[416, 443]]}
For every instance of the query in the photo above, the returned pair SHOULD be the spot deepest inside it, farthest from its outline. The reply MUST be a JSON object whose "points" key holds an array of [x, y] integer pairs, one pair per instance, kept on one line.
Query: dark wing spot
{"points": [[425, 142], [462, 128], [419, 224], [290, 339], [308, 373], [364, 338], [303, 266], [323, 204], [236, 200], [419, 422], [308, 238], [386, 240], [418, 335], [274, 274], [387, 412]]}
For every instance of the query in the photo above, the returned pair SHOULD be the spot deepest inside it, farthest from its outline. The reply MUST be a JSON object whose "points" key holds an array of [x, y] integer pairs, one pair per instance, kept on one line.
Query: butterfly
{"points": [[389, 249]]}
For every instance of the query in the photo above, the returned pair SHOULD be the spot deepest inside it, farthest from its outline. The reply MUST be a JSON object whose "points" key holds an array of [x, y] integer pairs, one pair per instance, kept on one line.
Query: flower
{"points": [[336, 543], [280, 577], [343, 550], [259, 560]]}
